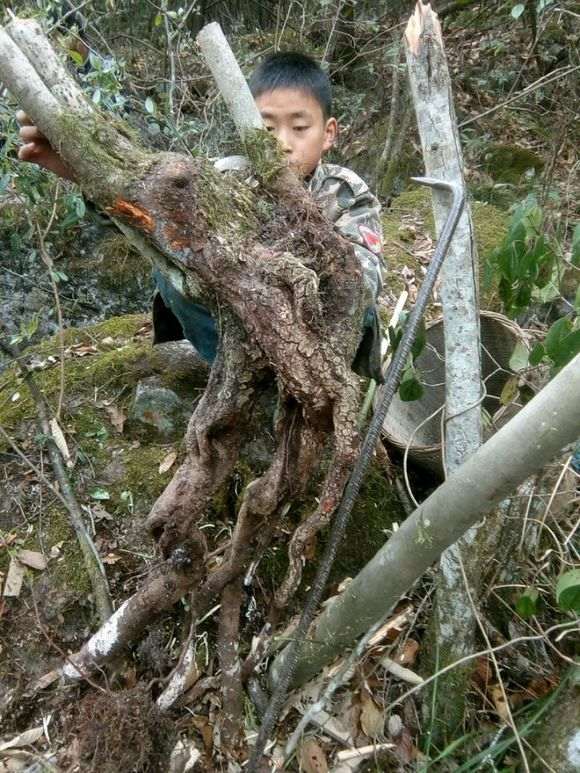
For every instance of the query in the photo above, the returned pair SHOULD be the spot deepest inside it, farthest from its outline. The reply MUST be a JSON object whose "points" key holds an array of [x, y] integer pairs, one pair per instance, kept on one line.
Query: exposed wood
{"points": [[454, 623]]}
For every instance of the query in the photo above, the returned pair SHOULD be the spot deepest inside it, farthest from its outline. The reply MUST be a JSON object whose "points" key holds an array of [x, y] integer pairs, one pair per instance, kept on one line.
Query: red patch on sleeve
{"points": [[371, 239]]}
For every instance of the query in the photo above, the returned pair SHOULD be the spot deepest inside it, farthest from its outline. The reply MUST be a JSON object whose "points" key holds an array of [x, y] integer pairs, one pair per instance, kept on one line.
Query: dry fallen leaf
{"points": [[13, 581], [392, 628], [116, 417], [33, 559], [60, 440], [502, 709], [312, 758], [167, 462], [26, 738], [111, 558], [409, 653], [372, 720], [82, 350]]}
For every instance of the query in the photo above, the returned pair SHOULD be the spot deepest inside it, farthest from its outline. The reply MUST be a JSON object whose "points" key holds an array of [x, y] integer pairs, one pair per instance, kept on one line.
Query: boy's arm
{"points": [[347, 201]]}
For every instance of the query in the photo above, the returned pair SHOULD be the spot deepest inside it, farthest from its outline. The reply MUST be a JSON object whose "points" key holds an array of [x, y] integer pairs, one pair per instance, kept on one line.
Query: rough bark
{"points": [[454, 624], [545, 425]]}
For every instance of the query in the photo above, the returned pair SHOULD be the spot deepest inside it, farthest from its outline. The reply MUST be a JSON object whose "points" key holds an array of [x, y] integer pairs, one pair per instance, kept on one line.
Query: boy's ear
{"points": [[330, 133]]}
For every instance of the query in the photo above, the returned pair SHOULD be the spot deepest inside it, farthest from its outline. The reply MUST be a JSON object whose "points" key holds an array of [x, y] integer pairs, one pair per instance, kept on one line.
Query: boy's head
{"points": [[294, 97]]}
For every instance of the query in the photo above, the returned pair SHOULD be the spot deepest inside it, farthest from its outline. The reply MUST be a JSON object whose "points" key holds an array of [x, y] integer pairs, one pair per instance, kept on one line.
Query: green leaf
{"points": [[150, 106], [410, 389], [559, 330], [527, 604], [568, 591], [517, 10], [577, 300], [76, 57], [520, 357], [562, 342], [97, 96], [537, 355], [576, 246], [157, 21], [510, 391], [100, 494], [420, 340]]}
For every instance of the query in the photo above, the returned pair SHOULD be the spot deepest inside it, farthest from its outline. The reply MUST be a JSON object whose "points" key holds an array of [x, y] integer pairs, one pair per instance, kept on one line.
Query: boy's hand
{"points": [[38, 150]]}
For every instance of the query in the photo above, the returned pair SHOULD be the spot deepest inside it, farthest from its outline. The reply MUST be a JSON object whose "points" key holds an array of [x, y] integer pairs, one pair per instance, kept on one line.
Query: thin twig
{"points": [[92, 560], [543, 81], [495, 664]]}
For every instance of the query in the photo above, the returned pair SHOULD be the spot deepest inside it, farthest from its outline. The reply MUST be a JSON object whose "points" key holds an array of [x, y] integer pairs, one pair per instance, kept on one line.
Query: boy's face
{"points": [[296, 118]]}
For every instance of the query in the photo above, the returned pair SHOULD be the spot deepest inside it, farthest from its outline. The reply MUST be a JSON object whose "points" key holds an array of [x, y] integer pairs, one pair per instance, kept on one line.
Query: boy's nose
{"points": [[284, 141]]}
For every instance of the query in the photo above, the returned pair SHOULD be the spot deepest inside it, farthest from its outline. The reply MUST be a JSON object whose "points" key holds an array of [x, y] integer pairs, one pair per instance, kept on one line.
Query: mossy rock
{"points": [[106, 359], [507, 163], [410, 216]]}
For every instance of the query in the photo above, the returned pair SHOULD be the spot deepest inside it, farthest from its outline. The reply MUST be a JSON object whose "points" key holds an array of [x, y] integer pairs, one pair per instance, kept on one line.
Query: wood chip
{"points": [[400, 672], [33, 559], [14, 578], [363, 751], [167, 462], [61, 443]]}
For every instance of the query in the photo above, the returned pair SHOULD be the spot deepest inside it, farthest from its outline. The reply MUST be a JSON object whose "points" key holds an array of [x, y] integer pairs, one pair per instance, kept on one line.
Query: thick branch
{"points": [[229, 79], [543, 427]]}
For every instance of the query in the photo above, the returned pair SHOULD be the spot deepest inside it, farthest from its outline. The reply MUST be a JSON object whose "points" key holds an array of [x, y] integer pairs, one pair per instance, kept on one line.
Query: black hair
{"points": [[293, 70]]}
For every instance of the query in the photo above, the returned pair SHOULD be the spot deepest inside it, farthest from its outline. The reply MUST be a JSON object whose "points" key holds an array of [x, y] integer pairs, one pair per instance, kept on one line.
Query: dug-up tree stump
{"points": [[289, 297]]}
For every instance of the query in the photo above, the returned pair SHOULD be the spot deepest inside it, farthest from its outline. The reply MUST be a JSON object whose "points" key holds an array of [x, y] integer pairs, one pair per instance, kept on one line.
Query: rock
{"points": [[158, 410]]}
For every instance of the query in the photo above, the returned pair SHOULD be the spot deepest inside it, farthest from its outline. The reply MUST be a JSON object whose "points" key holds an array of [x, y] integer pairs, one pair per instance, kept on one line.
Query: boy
{"points": [[294, 97]]}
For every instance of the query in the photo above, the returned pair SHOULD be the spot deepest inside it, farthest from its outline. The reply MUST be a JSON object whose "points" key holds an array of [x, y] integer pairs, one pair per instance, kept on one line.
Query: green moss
{"points": [[141, 476], [413, 209], [67, 570], [120, 329], [265, 153], [375, 510], [105, 165], [507, 163], [106, 371]]}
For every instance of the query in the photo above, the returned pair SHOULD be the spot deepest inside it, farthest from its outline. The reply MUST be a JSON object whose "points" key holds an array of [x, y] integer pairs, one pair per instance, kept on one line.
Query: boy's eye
{"points": [[270, 128], [300, 128]]}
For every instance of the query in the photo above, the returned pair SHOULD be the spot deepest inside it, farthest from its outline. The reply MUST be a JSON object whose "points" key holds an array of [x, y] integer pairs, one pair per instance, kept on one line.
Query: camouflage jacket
{"points": [[347, 202]]}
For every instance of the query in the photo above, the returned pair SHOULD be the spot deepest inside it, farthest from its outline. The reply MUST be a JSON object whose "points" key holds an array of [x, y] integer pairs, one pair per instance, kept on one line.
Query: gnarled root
{"points": [[228, 645], [213, 442], [346, 442]]}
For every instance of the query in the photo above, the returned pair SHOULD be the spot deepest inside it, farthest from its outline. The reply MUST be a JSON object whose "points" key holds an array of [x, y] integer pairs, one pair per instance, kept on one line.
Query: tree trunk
{"points": [[543, 427], [454, 623]]}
